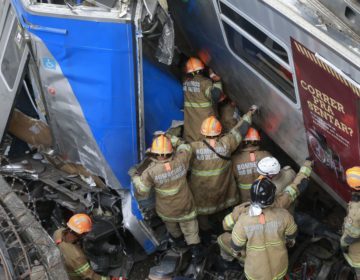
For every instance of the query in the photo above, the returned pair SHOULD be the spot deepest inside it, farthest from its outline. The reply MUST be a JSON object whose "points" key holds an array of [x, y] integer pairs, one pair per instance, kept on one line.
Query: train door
{"points": [[13, 57]]}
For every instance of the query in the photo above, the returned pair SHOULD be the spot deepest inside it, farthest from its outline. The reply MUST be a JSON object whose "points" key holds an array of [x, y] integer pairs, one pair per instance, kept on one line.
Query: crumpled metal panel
{"points": [[165, 49], [73, 136], [35, 234]]}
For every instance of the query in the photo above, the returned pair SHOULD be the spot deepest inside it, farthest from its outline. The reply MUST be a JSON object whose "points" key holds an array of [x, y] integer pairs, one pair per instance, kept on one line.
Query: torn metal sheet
{"points": [[165, 50], [73, 136]]}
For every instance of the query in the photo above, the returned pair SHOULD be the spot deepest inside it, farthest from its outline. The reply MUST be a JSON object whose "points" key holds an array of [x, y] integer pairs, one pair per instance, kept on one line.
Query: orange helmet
{"points": [[353, 177], [194, 64], [161, 145], [252, 135], [80, 223], [211, 127]]}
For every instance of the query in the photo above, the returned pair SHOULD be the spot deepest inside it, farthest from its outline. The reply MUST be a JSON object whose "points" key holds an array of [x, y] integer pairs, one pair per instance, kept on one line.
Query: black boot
{"points": [[223, 265], [206, 237], [197, 253], [178, 242]]}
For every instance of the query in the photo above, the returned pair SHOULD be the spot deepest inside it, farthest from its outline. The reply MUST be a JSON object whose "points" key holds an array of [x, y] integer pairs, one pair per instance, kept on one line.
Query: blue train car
{"points": [[82, 68]]}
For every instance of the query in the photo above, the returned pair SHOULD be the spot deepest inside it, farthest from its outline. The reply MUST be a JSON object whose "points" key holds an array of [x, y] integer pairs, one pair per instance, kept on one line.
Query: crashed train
{"points": [[84, 84]]}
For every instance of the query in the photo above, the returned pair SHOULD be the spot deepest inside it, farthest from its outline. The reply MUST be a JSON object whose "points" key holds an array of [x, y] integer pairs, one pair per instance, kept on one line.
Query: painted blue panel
{"points": [[97, 58], [163, 99]]}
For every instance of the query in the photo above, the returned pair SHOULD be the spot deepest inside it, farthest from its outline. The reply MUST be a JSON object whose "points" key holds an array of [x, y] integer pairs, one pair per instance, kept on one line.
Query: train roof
{"points": [[333, 23]]}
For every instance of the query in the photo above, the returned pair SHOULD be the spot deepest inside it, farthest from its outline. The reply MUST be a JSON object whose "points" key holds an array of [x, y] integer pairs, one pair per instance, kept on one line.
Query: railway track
{"points": [[14, 258], [26, 249]]}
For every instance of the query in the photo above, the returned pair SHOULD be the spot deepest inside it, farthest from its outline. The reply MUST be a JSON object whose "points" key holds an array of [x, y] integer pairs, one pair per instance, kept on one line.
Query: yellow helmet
{"points": [[353, 177], [211, 127], [161, 145]]}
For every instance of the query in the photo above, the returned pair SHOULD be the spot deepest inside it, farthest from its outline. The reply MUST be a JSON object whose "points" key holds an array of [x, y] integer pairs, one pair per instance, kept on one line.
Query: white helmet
{"points": [[268, 166]]}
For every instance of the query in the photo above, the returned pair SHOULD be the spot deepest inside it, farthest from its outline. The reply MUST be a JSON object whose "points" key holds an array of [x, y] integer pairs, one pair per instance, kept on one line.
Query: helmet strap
{"points": [[262, 219]]}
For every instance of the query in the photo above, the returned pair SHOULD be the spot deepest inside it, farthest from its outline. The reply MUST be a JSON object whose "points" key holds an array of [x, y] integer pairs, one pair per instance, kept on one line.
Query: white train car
{"points": [[299, 60]]}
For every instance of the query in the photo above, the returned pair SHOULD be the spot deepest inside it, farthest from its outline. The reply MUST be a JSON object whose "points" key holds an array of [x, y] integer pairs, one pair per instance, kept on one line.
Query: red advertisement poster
{"points": [[330, 106]]}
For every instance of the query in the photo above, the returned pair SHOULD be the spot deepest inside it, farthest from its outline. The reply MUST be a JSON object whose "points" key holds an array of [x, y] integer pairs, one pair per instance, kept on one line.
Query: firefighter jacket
{"points": [[264, 239], [174, 201], [198, 104], [351, 234], [284, 178], [229, 115], [212, 182], [245, 166], [76, 262], [283, 199]]}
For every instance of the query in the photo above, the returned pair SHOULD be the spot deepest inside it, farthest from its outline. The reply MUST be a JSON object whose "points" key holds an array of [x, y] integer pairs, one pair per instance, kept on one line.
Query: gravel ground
{"points": [[141, 269]]}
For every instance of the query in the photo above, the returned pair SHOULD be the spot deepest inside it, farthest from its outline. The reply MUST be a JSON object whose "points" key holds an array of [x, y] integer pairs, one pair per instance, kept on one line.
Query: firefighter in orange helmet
{"points": [[212, 182], [68, 241], [245, 162], [350, 239], [174, 202], [201, 95]]}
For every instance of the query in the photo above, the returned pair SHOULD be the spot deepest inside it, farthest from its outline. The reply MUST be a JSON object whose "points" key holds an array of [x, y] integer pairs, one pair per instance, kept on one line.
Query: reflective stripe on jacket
{"points": [[198, 105], [283, 199], [174, 201], [76, 262], [351, 228], [265, 242], [245, 168], [212, 182]]}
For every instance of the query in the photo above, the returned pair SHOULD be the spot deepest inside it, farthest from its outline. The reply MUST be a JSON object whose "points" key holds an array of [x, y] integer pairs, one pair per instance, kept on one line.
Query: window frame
{"points": [[7, 44], [288, 66]]}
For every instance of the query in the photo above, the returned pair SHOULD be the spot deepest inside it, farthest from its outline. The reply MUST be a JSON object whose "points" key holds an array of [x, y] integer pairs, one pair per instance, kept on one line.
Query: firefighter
{"points": [[262, 233], [201, 95], [69, 242], [245, 162], [228, 112], [174, 201], [284, 199], [350, 239], [211, 180], [281, 177]]}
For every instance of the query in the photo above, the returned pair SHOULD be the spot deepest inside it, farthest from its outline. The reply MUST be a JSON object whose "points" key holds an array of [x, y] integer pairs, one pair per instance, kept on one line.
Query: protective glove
{"points": [[213, 76], [302, 187], [173, 139], [132, 171], [253, 109], [290, 243], [309, 162]]}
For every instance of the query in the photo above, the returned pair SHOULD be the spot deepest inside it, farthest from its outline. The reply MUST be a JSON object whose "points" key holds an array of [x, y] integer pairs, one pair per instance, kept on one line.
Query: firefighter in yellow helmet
{"points": [[350, 239], [245, 162], [201, 95], [212, 182], [68, 241], [174, 201], [262, 233]]}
